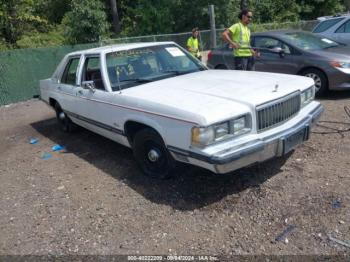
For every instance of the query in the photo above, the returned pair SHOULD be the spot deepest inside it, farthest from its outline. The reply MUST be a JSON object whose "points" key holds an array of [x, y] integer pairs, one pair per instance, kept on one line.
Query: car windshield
{"points": [[307, 41], [128, 68]]}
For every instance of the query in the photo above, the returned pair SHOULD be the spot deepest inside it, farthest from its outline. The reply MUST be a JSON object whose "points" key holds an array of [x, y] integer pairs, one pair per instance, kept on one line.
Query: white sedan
{"points": [[163, 103]]}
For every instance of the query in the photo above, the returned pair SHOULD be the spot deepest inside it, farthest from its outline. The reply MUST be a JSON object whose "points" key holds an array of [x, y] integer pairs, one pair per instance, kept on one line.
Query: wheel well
{"points": [[310, 67], [220, 66], [132, 127], [52, 102]]}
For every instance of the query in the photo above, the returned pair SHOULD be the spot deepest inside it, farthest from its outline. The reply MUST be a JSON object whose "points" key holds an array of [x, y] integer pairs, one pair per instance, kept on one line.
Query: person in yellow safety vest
{"points": [[238, 37], [193, 44]]}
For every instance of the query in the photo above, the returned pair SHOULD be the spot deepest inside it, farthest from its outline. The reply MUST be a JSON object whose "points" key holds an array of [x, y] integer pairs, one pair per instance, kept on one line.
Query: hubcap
{"points": [[317, 79], [62, 115], [153, 155]]}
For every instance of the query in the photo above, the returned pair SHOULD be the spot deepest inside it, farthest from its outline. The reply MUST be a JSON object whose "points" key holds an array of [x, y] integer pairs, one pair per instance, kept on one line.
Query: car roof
{"points": [[324, 18], [117, 47]]}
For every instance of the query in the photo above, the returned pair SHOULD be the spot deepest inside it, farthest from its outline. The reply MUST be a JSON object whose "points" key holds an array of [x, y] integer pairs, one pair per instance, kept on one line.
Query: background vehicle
{"points": [[295, 52], [336, 28]]}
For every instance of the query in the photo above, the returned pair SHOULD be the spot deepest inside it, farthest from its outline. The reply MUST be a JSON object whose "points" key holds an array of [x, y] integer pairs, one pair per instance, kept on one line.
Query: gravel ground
{"points": [[92, 199]]}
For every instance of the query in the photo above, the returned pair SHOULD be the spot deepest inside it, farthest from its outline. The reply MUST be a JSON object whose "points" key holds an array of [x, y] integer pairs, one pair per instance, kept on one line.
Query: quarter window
{"points": [[70, 72]]}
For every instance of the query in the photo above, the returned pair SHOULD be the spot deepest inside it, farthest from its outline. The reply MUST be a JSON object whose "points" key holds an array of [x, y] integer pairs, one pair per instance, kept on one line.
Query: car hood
{"points": [[214, 95], [334, 53]]}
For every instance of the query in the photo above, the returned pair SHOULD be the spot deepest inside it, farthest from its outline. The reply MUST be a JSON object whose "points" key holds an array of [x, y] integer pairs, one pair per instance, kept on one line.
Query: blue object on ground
{"points": [[33, 141], [285, 233], [57, 148], [336, 204], [46, 156]]}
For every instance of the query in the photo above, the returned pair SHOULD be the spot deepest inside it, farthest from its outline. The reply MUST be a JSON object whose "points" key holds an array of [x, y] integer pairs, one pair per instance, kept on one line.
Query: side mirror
{"points": [[89, 85]]}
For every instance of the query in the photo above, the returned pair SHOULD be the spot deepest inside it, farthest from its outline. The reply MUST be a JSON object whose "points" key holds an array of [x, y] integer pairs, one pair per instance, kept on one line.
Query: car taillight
{"points": [[209, 55]]}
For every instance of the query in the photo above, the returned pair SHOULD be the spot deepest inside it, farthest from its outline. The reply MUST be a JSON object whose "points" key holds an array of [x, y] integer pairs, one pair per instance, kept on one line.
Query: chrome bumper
{"points": [[258, 150]]}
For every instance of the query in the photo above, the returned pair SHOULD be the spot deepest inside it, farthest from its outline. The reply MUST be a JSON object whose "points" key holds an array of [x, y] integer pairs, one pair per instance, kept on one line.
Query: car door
{"points": [[67, 85], [98, 106], [275, 55], [342, 33]]}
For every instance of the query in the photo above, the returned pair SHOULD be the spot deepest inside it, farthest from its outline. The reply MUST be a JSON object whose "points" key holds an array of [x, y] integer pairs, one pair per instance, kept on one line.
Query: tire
{"points": [[151, 154], [321, 81], [63, 120], [222, 67]]}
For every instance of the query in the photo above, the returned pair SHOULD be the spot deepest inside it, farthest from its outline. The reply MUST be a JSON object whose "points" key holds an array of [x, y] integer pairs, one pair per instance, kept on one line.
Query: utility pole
{"points": [[212, 26], [116, 24], [347, 4], [244, 4]]}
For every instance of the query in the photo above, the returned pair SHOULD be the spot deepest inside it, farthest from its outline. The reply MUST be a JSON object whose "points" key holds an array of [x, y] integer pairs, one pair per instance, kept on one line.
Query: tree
{"points": [[18, 17], [85, 23], [115, 16], [312, 9]]}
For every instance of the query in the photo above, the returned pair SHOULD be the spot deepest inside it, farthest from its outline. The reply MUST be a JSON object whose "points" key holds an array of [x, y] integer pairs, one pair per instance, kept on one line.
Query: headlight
{"points": [[342, 66], [307, 96], [203, 136]]}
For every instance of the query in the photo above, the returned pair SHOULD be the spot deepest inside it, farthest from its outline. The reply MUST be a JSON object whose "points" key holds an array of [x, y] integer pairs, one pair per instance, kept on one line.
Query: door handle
{"points": [[59, 88], [80, 92]]}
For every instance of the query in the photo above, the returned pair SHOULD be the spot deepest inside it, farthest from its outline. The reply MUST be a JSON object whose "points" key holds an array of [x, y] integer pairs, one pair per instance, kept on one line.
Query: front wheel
{"points": [[151, 154], [321, 82]]}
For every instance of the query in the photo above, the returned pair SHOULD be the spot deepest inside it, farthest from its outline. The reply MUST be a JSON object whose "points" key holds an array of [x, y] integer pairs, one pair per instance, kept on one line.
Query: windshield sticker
{"points": [[327, 41], [175, 51]]}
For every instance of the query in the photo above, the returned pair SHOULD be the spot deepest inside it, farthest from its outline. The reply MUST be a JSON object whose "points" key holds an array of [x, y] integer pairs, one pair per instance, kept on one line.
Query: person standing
{"points": [[238, 37], [193, 44]]}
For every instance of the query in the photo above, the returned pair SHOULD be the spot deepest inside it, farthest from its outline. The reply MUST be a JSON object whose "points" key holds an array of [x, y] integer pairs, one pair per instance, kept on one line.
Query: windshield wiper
{"points": [[327, 47], [179, 72], [137, 80]]}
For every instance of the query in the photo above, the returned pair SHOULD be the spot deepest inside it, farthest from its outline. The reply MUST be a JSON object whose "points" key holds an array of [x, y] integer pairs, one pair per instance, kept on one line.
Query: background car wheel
{"points": [[151, 154], [63, 120], [221, 67], [321, 81]]}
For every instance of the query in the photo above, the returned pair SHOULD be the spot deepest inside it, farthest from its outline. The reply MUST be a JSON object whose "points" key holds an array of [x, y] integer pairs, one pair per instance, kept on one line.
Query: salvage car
{"points": [[159, 100], [296, 52]]}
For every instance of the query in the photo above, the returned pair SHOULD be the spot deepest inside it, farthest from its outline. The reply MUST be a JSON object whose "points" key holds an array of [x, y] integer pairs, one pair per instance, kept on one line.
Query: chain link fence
{"points": [[21, 70]]}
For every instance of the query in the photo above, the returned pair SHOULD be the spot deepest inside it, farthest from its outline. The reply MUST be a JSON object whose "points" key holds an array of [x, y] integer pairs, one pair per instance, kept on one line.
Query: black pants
{"points": [[244, 63]]}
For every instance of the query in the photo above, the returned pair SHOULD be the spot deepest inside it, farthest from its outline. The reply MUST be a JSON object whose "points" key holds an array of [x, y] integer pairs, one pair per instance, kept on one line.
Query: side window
{"points": [[266, 43], [70, 72], [324, 25], [344, 28], [92, 72]]}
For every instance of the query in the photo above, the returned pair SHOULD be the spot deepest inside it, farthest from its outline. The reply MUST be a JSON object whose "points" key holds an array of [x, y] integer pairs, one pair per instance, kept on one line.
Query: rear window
{"points": [[324, 25]]}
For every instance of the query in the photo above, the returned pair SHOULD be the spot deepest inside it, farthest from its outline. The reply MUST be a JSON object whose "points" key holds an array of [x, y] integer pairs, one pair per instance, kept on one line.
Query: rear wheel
{"points": [[63, 120], [151, 154], [321, 81]]}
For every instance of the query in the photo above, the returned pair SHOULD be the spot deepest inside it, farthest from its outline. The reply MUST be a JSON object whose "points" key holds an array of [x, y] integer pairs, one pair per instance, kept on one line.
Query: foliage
{"points": [[85, 23], [52, 38], [33, 23]]}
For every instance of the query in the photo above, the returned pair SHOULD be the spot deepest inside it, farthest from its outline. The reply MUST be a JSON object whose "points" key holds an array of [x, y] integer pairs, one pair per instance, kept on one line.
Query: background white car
{"points": [[336, 28], [166, 105]]}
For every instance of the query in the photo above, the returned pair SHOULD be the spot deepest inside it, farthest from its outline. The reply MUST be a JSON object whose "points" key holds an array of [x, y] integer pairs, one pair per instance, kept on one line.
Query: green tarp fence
{"points": [[21, 70]]}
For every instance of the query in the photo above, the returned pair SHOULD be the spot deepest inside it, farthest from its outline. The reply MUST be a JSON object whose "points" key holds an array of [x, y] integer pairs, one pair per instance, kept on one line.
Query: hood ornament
{"points": [[276, 88]]}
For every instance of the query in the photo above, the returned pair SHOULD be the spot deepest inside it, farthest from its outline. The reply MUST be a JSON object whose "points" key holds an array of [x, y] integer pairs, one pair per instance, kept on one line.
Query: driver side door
{"points": [[275, 56]]}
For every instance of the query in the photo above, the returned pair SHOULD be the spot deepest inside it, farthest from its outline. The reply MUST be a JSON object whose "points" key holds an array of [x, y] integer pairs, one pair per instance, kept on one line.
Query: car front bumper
{"points": [[257, 147]]}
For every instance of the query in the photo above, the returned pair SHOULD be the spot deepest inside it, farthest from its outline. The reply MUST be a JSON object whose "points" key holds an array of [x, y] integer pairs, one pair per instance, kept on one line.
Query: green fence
{"points": [[21, 70]]}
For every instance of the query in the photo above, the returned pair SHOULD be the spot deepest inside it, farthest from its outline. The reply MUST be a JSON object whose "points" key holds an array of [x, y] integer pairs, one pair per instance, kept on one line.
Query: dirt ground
{"points": [[92, 199]]}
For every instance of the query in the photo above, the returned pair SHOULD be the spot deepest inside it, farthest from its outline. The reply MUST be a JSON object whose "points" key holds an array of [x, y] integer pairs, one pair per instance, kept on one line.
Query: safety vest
{"points": [[241, 35], [194, 45]]}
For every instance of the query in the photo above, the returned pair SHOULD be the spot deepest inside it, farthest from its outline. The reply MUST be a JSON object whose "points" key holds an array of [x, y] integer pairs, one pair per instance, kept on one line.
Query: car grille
{"points": [[277, 111]]}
